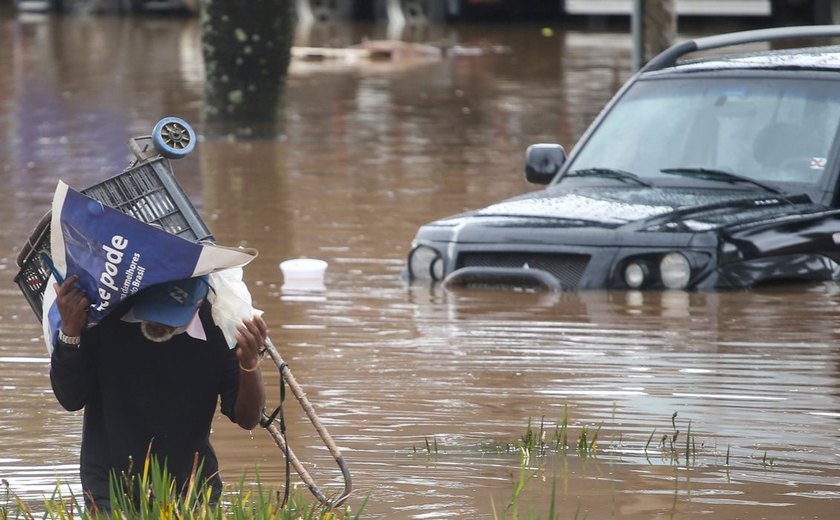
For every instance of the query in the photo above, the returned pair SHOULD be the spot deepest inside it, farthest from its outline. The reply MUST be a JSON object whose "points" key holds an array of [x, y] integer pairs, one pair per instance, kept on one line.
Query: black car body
{"points": [[714, 173]]}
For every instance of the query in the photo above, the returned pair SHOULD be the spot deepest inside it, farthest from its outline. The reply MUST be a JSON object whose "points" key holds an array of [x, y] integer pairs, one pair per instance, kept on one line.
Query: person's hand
{"points": [[72, 305], [250, 400], [250, 337]]}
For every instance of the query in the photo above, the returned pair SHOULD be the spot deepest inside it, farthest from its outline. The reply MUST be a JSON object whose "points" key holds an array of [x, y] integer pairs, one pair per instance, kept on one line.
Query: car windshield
{"points": [[769, 130]]}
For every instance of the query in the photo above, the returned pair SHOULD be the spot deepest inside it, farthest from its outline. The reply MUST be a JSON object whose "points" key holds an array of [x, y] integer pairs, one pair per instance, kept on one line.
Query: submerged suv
{"points": [[704, 174]]}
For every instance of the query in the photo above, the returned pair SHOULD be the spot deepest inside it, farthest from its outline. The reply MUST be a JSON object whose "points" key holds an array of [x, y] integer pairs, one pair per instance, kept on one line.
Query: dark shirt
{"points": [[137, 393]]}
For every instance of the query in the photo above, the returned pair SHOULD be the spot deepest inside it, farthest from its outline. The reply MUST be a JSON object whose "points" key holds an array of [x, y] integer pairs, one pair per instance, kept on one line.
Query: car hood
{"points": [[674, 209]]}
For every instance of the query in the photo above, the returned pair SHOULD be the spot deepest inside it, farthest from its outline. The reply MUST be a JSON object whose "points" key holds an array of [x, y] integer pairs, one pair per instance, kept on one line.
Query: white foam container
{"points": [[303, 274]]}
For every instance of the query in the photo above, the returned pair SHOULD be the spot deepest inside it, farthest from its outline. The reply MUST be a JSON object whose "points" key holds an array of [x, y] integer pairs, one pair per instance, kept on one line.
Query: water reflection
{"points": [[370, 152], [494, 364]]}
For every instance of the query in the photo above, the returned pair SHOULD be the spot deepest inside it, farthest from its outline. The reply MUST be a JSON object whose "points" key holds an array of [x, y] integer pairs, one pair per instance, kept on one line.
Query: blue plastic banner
{"points": [[116, 255]]}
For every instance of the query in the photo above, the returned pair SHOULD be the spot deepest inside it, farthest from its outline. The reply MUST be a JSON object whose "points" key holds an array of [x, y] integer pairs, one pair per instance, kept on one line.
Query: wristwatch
{"points": [[72, 341]]}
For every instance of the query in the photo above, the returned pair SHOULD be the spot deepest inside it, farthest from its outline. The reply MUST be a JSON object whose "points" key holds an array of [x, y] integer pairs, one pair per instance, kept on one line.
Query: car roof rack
{"points": [[669, 56]]}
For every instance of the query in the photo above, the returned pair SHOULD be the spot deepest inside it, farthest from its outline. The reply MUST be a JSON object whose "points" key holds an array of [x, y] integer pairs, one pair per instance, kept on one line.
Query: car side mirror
{"points": [[543, 161]]}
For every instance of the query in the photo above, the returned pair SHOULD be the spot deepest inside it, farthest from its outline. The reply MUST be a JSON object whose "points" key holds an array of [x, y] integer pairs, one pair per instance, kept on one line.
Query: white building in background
{"points": [[684, 7]]}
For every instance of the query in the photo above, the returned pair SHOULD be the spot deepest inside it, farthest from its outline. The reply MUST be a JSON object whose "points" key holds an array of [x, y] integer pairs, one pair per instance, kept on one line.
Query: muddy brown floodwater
{"points": [[371, 151]]}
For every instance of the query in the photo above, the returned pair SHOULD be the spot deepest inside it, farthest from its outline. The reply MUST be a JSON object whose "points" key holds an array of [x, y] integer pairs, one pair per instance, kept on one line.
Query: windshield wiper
{"points": [[717, 175], [608, 172]]}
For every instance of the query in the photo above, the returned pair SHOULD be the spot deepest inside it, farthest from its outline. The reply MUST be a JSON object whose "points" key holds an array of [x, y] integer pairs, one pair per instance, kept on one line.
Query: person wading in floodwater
{"points": [[149, 376]]}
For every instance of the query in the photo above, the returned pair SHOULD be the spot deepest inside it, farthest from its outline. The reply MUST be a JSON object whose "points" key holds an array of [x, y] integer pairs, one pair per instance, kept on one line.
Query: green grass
{"points": [[162, 501], [678, 447], [675, 447], [534, 440], [153, 495]]}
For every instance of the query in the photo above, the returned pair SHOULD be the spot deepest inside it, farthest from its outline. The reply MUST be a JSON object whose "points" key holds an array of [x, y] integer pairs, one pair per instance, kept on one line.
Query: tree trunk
{"points": [[246, 48]]}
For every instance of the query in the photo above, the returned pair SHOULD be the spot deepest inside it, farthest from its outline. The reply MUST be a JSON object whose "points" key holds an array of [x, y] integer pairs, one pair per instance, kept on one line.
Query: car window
{"points": [[766, 129]]}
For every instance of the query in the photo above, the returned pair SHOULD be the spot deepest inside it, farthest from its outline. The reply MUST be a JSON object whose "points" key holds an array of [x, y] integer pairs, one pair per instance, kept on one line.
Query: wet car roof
{"points": [[811, 58]]}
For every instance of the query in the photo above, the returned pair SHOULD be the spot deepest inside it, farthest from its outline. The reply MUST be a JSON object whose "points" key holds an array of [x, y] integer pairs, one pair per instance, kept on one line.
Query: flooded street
{"points": [[422, 389]]}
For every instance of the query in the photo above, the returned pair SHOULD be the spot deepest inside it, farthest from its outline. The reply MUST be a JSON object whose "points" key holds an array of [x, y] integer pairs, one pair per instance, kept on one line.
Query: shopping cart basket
{"points": [[147, 190]]}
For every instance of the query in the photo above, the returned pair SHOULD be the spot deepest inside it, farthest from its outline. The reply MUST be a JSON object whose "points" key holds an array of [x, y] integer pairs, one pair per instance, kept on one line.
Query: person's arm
{"points": [[250, 399], [71, 365]]}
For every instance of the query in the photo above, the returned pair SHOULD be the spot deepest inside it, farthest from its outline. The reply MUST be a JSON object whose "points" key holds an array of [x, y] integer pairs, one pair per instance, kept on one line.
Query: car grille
{"points": [[568, 269]]}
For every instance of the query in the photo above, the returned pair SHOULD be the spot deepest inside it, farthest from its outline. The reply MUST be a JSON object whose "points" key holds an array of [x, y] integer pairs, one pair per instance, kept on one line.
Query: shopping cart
{"points": [[147, 190]]}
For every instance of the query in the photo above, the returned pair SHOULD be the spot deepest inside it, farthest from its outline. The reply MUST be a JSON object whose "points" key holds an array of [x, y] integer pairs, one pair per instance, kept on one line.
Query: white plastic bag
{"points": [[230, 301]]}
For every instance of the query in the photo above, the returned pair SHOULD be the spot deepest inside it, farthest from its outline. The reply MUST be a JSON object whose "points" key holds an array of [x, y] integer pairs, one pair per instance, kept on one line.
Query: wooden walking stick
{"points": [[275, 425]]}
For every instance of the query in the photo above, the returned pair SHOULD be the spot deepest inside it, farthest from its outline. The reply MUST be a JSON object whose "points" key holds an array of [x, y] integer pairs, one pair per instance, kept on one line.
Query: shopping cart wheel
{"points": [[173, 137]]}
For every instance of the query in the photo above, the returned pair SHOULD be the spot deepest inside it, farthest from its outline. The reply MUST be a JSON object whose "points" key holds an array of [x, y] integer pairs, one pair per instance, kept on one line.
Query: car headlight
{"points": [[635, 275], [425, 263], [675, 271]]}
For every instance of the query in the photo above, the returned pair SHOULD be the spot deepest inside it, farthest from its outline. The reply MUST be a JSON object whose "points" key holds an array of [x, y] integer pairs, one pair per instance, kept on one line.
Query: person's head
{"points": [[166, 309]]}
